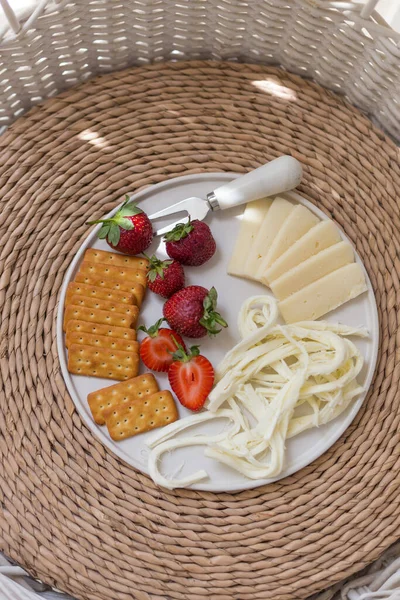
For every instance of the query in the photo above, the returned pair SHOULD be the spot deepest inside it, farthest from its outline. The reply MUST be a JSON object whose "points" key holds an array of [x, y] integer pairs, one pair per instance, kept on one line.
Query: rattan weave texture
{"points": [[71, 512]]}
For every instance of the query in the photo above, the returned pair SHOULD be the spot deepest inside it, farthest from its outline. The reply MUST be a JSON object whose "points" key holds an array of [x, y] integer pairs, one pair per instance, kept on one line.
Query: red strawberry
{"points": [[191, 377], [165, 277], [191, 243], [192, 313], [129, 230], [156, 350]]}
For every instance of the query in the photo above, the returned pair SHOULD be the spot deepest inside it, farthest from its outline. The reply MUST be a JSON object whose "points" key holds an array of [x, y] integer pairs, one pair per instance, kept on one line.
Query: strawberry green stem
{"points": [[182, 356], [157, 267], [211, 318], [153, 330], [179, 232], [111, 228]]}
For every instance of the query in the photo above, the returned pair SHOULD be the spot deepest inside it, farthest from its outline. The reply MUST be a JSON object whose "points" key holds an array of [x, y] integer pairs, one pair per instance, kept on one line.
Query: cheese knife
{"points": [[279, 175]]}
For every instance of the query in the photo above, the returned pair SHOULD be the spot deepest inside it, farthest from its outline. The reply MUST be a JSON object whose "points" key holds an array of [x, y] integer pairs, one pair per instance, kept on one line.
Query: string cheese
{"points": [[271, 372]]}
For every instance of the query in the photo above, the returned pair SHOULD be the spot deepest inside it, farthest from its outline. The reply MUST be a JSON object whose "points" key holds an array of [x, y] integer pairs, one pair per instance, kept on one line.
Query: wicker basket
{"points": [[344, 46], [71, 513]]}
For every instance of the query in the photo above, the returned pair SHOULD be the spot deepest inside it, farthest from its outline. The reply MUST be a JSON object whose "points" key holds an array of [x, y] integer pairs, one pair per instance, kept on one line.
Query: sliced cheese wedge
{"points": [[269, 228], [324, 295], [252, 218], [321, 236], [314, 268], [299, 221]]}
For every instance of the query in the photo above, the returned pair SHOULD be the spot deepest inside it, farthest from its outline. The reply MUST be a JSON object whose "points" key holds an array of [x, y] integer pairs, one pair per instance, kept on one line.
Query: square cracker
{"points": [[130, 418], [118, 260], [130, 310], [128, 391], [101, 341], [95, 315], [136, 289], [100, 293], [121, 333], [99, 270], [101, 362]]}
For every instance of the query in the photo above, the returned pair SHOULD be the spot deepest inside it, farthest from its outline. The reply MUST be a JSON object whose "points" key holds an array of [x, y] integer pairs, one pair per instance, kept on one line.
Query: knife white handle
{"points": [[279, 175]]}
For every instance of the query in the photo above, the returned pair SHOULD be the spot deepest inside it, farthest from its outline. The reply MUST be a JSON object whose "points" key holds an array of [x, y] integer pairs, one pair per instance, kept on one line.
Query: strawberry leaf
{"points": [[180, 231], [157, 268], [124, 223], [211, 318], [194, 351], [152, 275], [182, 356], [121, 220], [128, 209], [153, 330], [218, 319], [114, 234], [210, 301], [103, 232]]}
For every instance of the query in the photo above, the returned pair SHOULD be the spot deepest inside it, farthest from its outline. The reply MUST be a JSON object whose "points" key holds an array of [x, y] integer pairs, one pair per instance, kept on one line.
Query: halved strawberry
{"points": [[191, 377], [157, 349]]}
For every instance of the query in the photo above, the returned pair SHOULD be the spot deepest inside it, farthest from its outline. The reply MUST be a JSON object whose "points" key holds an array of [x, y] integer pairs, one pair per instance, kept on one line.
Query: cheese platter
{"points": [[310, 249]]}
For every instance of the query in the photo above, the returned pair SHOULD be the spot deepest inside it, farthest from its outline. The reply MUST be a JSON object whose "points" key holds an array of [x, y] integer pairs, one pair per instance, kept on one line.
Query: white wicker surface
{"points": [[341, 45]]}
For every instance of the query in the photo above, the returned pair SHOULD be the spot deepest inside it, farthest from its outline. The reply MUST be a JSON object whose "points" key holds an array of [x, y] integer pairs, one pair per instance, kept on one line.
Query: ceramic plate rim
{"points": [[109, 444]]}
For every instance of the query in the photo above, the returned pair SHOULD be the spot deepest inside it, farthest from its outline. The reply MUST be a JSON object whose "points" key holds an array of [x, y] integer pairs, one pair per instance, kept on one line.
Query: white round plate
{"points": [[232, 291]]}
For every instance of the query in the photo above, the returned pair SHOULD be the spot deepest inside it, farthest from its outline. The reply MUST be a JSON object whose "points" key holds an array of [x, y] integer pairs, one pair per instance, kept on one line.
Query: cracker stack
{"points": [[132, 407], [101, 311]]}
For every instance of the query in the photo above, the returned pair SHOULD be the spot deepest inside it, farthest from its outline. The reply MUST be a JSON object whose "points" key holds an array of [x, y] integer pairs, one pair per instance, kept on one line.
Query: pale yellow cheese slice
{"points": [[269, 228], [314, 268], [319, 237], [252, 218], [299, 221], [324, 295]]}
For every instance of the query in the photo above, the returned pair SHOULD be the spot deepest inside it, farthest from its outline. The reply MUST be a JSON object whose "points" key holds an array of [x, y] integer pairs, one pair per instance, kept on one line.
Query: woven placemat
{"points": [[70, 512]]}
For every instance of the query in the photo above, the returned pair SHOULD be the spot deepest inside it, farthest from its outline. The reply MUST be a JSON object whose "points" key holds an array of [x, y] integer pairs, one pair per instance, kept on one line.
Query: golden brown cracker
{"points": [[99, 270], [101, 362], [122, 333], [136, 289], [118, 260], [130, 310], [131, 418], [95, 315], [101, 341], [100, 293], [127, 391]]}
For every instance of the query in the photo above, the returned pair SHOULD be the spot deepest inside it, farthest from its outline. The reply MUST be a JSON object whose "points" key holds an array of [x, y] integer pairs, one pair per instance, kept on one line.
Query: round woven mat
{"points": [[72, 513]]}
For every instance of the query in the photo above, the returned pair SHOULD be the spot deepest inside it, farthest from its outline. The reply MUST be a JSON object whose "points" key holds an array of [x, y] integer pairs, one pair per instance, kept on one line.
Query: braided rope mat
{"points": [[70, 512]]}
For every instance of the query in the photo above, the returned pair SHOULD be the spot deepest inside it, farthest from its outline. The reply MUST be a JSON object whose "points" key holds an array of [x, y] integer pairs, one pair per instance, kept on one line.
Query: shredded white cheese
{"points": [[272, 372]]}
